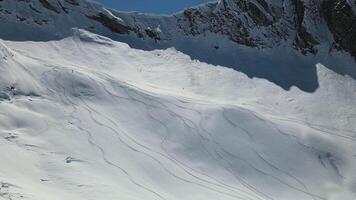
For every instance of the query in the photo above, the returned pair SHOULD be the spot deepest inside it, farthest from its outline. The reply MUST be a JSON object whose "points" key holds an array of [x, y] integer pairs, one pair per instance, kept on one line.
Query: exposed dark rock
{"points": [[240, 20], [254, 12], [304, 41], [70, 159], [34, 9], [63, 7], [153, 34], [49, 6], [73, 2], [253, 23], [192, 15], [224, 23], [264, 4], [111, 23], [20, 18], [258, 16], [341, 21], [4, 96]]}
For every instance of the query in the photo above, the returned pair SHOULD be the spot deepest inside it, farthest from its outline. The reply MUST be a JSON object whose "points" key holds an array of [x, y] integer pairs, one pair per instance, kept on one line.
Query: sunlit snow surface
{"points": [[89, 118]]}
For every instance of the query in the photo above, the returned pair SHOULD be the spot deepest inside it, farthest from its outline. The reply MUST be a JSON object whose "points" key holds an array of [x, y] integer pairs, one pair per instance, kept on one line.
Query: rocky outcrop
{"points": [[256, 13], [254, 23], [298, 24], [111, 23], [72, 2], [235, 22], [341, 20], [153, 34], [304, 41], [263, 24], [49, 6]]}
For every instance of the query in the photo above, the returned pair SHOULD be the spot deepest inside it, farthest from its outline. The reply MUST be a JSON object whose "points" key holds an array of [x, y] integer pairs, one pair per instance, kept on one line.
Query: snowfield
{"points": [[88, 118]]}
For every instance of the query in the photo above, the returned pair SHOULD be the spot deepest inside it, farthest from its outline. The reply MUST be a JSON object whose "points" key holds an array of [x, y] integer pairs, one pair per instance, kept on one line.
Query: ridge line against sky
{"points": [[152, 6]]}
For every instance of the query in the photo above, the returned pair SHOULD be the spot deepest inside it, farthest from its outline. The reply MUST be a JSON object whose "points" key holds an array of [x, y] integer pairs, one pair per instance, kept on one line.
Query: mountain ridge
{"points": [[276, 21], [291, 36]]}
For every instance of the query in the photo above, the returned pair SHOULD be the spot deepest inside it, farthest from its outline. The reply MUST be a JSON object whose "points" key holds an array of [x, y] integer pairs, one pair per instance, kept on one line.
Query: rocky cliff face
{"points": [[51, 19], [305, 25], [340, 17]]}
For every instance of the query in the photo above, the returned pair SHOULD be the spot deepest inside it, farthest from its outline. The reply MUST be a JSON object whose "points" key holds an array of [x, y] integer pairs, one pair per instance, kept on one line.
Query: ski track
{"points": [[180, 136], [90, 111], [219, 153], [195, 129], [162, 144]]}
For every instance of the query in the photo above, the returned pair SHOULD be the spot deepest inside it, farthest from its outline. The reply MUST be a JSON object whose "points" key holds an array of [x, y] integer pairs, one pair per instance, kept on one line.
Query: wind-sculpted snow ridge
{"points": [[97, 119]]}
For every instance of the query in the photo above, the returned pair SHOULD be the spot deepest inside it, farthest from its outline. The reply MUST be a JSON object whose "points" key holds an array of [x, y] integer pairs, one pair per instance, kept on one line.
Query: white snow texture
{"points": [[89, 118]]}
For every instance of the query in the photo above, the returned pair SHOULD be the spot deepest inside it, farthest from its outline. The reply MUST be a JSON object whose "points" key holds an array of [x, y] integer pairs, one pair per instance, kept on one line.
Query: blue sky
{"points": [[151, 6]]}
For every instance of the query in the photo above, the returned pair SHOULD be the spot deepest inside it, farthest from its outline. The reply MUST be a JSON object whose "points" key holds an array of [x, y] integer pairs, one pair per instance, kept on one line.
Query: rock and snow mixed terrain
{"points": [[83, 116]]}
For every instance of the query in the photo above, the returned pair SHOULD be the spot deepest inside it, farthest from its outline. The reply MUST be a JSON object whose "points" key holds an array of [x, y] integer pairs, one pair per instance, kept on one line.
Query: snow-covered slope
{"points": [[101, 104], [86, 117]]}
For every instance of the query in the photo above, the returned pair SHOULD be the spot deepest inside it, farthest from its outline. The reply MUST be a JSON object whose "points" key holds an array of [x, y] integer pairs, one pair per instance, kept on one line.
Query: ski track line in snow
{"points": [[250, 135], [102, 151], [90, 135], [183, 120], [203, 138], [303, 185], [132, 99], [131, 138], [321, 129], [147, 105], [195, 128]]}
